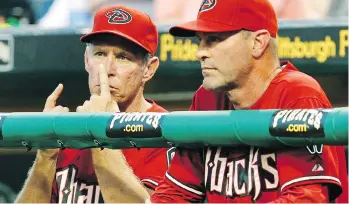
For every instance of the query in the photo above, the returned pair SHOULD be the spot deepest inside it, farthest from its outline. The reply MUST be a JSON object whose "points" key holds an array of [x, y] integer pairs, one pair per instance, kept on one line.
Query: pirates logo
{"points": [[207, 5], [118, 16]]}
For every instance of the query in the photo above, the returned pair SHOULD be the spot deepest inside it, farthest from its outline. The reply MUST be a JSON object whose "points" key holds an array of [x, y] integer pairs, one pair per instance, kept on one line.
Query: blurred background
{"points": [[40, 47], [68, 13]]}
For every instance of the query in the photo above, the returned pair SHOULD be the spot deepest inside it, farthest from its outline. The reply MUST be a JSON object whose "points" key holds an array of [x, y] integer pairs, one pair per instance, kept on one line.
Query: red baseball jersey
{"points": [[251, 174], [76, 181]]}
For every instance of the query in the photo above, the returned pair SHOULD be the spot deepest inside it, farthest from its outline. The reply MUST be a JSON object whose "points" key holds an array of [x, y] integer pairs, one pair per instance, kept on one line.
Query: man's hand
{"points": [[50, 106], [100, 102]]}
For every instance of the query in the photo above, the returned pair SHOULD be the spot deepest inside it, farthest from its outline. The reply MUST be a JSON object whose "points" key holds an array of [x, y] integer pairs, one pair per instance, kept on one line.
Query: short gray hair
{"points": [[146, 58], [246, 34]]}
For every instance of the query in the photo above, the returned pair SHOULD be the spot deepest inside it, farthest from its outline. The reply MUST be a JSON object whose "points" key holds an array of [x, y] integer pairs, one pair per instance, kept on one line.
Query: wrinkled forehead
{"points": [[120, 43]]}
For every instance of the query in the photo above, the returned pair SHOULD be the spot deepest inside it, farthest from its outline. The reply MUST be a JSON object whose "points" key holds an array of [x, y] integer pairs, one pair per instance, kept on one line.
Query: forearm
{"points": [[38, 186], [116, 179]]}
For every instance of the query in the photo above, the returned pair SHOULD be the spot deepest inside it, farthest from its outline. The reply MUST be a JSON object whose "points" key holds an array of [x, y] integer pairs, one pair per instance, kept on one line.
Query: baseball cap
{"points": [[230, 15], [125, 22]]}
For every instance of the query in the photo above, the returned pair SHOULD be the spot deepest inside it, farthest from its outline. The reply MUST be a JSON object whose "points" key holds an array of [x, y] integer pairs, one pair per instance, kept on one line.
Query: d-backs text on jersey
{"points": [[246, 175], [72, 190]]}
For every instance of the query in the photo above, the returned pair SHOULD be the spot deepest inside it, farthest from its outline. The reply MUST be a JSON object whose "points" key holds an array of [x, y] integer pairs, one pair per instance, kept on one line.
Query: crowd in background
{"points": [[78, 13]]}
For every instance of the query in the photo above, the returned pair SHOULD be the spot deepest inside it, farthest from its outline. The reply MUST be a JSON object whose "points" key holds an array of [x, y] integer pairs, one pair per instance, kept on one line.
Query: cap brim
{"points": [[88, 37], [190, 28]]}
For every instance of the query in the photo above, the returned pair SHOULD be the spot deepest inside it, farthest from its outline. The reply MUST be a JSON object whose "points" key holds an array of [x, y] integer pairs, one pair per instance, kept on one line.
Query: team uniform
{"points": [[76, 181], [251, 174]]}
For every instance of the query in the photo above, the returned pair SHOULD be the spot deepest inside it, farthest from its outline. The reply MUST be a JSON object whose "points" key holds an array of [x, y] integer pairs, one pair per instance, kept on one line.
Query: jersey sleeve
{"points": [[314, 193], [314, 163], [152, 166], [183, 181]]}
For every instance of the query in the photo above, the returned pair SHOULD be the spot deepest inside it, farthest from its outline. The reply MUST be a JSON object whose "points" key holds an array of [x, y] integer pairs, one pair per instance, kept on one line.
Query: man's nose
{"points": [[202, 52], [109, 64]]}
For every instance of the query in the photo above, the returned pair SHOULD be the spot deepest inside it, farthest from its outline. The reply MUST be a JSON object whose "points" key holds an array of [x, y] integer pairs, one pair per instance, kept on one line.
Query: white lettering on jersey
{"points": [[72, 190], [247, 175], [217, 177], [273, 171], [253, 174]]}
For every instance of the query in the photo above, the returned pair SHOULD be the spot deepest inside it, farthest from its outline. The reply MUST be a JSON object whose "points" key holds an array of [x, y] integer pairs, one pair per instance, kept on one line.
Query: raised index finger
{"points": [[104, 81], [51, 100]]}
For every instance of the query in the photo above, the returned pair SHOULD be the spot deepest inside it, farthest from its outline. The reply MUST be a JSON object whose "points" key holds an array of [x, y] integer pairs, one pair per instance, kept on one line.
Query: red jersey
{"points": [[251, 174], [76, 181]]}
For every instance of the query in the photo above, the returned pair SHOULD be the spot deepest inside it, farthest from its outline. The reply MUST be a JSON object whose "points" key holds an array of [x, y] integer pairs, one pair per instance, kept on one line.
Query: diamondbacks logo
{"points": [[207, 5], [118, 16]]}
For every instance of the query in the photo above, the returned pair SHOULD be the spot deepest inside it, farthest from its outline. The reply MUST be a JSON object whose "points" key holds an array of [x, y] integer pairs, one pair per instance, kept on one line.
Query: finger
{"points": [[52, 99], [65, 109], [104, 81], [86, 103], [94, 97], [80, 109], [57, 109], [113, 107]]}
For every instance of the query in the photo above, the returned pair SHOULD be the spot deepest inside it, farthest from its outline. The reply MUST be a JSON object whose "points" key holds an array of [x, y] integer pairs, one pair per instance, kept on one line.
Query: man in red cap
{"points": [[120, 59], [242, 71]]}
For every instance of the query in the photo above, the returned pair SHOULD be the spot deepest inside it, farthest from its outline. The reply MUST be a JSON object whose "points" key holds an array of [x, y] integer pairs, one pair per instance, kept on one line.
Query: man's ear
{"points": [[87, 68], [150, 69], [260, 43]]}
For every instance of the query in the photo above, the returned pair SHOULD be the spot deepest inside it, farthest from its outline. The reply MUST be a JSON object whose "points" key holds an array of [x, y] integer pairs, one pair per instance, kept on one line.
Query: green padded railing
{"points": [[262, 128]]}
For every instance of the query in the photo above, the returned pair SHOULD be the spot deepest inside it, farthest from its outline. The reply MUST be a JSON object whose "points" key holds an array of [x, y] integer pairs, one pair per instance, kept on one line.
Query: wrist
{"points": [[108, 158], [48, 154]]}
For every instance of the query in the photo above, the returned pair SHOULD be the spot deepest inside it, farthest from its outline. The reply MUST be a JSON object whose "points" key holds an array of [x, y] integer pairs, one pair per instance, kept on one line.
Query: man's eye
{"points": [[99, 54], [122, 57], [214, 39]]}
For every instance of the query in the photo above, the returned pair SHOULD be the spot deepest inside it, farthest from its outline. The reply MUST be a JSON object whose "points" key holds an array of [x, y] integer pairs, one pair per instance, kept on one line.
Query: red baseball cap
{"points": [[128, 23], [230, 15]]}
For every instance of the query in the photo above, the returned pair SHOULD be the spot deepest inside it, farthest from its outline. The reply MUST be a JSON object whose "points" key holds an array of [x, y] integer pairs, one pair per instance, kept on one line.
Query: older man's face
{"points": [[123, 61]]}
